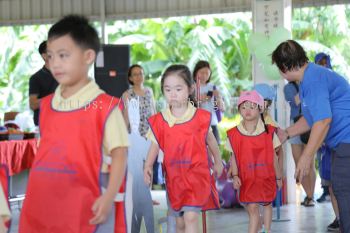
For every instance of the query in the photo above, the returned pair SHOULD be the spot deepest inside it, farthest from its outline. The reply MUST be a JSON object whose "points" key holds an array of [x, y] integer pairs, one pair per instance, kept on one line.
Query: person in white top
{"points": [[210, 97]]}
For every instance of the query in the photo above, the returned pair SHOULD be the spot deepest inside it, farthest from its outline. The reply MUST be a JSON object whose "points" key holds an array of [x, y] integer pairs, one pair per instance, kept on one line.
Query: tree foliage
{"points": [[18, 60], [325, 29], [157, 43]]}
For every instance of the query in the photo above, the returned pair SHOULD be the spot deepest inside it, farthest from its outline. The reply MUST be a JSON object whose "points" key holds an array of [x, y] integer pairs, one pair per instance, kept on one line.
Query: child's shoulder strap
{"points": [[232, 131], [272, 130], [272, 127]]}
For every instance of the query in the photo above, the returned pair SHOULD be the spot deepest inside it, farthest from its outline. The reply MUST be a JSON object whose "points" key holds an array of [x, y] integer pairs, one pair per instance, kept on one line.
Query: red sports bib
{"points": [[255, 161], [186, 162], [64, 180]]}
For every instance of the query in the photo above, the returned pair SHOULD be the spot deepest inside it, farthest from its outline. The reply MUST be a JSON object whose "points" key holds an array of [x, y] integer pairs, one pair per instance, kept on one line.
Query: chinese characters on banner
{"points": [[268, 15]]}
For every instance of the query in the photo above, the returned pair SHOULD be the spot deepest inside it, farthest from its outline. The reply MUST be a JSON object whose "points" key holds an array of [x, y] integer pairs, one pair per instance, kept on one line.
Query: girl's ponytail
{"points": [[263, 120]]}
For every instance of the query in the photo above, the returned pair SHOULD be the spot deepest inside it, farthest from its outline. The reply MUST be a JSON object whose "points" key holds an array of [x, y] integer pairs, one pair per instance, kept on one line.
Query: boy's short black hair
{"points": [[289, 55], [42, 47], [79, 29]]}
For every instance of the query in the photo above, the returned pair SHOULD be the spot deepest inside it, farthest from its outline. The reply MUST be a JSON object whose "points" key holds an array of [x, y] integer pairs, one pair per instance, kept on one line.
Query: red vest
{"points": [[186, 162], [64, 179], [255, 162]]}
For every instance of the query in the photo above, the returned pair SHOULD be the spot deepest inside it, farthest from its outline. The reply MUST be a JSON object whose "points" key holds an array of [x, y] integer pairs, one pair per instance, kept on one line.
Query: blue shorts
{"points": [[181, 212], [295, 140]]}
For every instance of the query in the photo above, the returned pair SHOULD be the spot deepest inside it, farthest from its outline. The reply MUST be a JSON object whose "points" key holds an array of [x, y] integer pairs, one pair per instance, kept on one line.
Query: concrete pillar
{"points": [[268, 15]]}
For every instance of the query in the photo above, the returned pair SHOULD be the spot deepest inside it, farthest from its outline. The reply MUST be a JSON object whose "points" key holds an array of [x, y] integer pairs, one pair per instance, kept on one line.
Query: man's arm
{"points": [[298, 128], [318, 133], [34, 102], [34, 90]]}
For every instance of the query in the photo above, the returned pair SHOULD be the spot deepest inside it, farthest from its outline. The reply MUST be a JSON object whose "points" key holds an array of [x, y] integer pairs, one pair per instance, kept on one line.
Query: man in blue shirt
{"points": [[325, 99]]}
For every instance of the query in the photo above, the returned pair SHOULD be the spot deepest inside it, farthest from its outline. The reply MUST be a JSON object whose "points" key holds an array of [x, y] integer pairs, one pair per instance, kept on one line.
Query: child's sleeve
{"points": [[276, 141], [115, 134], [4, 210]]}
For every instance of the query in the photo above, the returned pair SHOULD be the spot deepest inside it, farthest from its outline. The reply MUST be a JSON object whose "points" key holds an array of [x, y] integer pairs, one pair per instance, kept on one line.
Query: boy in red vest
{"points": [[77, 123]]}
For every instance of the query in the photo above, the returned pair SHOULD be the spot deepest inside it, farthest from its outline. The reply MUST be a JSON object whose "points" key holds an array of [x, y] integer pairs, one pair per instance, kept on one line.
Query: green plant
{"points": [[330, 34], [17, 64], [157, 43], [224, 125]]}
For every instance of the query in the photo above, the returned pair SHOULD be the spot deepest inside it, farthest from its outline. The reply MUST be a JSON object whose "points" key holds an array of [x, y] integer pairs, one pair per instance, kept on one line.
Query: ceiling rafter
{"points": [[13, 12]]}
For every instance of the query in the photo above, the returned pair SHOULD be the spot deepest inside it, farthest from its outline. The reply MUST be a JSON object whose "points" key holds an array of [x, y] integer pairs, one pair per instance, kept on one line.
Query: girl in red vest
{"points": [[183, 133], [254, 166]]}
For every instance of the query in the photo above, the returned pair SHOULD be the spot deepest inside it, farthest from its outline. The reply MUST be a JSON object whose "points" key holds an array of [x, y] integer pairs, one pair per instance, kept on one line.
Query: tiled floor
{"points": [[302, 219]]}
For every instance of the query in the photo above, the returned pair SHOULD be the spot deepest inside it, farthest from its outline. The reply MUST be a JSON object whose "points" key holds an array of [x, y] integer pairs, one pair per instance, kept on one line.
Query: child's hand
{"points": [[101, 209], [218, 167], [204, 98], [216, 93], [236, 182], [279, 184], [147, 174]]}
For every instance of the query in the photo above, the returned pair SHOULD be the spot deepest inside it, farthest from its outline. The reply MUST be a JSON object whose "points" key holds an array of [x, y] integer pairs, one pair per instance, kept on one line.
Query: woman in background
{"points": [[210, 97]]}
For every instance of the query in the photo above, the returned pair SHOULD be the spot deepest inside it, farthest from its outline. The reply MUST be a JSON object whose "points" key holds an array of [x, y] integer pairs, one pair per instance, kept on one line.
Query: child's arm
{"points": [[234, 173], [151, 157], [278, 172], [214, 149], [280, 157], [103, 204]]}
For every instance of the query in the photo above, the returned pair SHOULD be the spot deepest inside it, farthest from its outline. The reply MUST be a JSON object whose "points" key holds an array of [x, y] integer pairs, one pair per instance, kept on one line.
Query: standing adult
{"points": [[325, 104], [210, 97], [291, 95], [324, 60], [41, 84]]}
